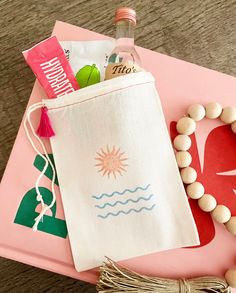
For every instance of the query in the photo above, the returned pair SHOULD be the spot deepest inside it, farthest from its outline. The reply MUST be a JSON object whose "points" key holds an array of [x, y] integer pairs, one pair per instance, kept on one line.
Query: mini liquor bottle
{"points": [[124, 58]]}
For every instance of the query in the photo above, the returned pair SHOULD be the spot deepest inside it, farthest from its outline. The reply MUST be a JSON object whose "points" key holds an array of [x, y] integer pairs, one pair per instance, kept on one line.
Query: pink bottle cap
{"points": [[125, 13]]}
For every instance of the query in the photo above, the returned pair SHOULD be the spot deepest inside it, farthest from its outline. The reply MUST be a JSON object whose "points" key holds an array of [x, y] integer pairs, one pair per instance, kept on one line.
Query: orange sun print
{"points": [[111, 162]]}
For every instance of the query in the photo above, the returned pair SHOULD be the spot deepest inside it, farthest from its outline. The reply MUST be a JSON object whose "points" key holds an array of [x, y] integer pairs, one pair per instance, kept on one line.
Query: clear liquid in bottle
{"points": [[124, 58]]}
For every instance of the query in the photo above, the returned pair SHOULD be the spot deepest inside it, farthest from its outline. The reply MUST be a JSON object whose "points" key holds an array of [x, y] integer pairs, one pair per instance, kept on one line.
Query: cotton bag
{"points": [[120, 185]]}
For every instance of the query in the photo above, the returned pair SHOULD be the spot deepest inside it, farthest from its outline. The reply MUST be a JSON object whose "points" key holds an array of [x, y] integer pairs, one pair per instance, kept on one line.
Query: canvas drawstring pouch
{"points": [[120, 185]]}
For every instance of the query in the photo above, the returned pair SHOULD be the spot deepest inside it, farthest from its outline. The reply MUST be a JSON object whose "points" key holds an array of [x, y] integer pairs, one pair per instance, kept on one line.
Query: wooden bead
{"points": [[183, 159], [233, 127], [207, 203], [213, 110], [186, 125], [196, 112], [195, 190], [182, 142], [231, 225], [188, 175], [230, 277], [228, 115], [221, 214]]}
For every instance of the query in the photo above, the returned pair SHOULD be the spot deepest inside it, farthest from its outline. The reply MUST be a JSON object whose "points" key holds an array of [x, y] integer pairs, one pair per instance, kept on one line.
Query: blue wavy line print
{"points": [[128, 212], [121, 193], [125, 202]]}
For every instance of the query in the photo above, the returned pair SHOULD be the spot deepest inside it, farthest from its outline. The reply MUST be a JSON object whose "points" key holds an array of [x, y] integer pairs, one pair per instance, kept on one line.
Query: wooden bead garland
{"points": [[221, 214], [228, 115], [207, 203], [233, 127], [213, 110], [182, 142], [231, 225], [195, 190], [186, 125], [183, 159], [188, 175], [230, 278], [197, 112]]}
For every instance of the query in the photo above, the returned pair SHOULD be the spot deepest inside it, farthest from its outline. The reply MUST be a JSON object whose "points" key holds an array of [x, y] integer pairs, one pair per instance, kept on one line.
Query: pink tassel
{"points": [[45, 128]]}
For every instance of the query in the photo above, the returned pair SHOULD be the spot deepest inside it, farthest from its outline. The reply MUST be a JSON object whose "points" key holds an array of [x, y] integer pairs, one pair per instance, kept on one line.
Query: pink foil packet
{"points": [[49, 64]]}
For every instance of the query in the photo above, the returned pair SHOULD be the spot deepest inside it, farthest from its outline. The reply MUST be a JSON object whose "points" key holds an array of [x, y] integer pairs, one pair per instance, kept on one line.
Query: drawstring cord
{"points": [[45, 157]]}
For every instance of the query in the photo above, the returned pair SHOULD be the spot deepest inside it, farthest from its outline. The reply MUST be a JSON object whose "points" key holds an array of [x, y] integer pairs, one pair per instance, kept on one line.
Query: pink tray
{"points": [[179, 84]]}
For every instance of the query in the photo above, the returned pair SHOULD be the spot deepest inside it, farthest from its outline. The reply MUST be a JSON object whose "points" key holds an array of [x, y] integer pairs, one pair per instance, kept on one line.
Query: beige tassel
{"points": [[115, 279]]}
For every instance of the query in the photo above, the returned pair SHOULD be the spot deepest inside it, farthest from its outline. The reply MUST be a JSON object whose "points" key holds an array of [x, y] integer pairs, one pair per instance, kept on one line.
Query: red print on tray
{"points": [[218, 175]]}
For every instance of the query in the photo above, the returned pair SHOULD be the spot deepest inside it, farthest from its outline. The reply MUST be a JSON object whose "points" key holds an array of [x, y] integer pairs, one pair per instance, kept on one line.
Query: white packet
{"points": [[88, 59]]}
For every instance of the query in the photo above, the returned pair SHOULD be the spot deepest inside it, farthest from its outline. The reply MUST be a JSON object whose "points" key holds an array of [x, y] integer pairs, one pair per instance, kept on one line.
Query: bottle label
{"points": [[118, 69]]}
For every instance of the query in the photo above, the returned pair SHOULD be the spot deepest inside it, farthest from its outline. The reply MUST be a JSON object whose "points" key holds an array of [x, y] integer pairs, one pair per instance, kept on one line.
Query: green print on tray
{"points": [[39, 163], [88, 75], [26, 212]]}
